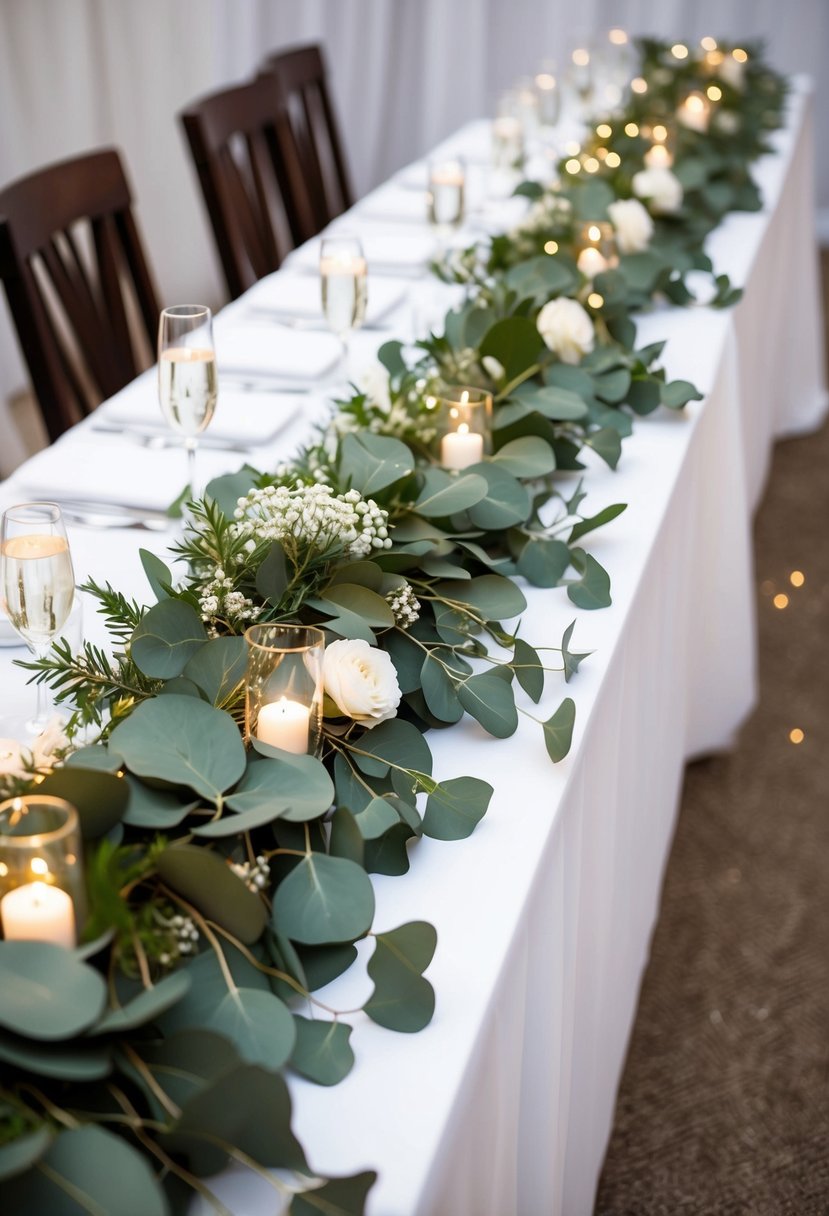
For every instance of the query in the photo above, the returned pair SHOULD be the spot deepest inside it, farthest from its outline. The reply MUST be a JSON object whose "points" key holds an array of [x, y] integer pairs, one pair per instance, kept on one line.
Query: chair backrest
{"points": [[79, 288], [303, 81], [251, 179]]}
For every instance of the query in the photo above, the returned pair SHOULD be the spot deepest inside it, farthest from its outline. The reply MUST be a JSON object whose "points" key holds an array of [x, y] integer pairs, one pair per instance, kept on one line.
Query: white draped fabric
{"points": [[504, 1103], [76, 74]]}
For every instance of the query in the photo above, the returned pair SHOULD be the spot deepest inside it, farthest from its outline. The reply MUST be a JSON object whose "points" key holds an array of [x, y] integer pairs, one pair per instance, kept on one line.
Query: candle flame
{"points": [[39, 866], [463, 429], [464, 397], [594, 232]]}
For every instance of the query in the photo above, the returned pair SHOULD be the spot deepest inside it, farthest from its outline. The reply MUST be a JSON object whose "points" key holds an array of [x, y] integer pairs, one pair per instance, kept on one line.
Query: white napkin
{"points": [[259, 349], [394, 202], [240, 417], [299, 295], [404, 249], [86, 469]]}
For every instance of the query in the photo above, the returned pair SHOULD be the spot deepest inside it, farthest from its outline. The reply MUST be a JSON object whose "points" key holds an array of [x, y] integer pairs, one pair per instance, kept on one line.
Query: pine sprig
{"points": [[122, 616], [91, 683]]}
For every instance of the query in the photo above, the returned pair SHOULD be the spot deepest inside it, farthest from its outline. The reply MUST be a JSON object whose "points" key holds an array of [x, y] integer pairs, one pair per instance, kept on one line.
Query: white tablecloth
{"points": [[504, 1103]]}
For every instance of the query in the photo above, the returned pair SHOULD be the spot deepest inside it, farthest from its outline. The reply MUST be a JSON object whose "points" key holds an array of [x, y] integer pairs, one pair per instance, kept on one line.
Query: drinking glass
{"points": [[38, 583], [187, 380], [447, 183], [344, 284]]}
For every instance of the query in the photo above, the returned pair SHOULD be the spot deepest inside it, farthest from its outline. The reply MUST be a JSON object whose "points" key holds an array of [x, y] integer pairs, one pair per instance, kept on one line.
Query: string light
{"points": [[592, 165], [617, 37], [595, 300], [551, 247], [572, 166], [572, 149], [781, 601], [639, 85], [714, 92], [581, 57], [631, 129], [740, 55], [604, 131], [613, 160], [796, 735], [660, 133], [708, 43], [679, 50], [797, 578]]}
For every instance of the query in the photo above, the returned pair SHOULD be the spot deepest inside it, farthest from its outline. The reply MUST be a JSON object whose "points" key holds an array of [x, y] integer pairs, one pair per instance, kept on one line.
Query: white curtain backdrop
{"points": [[77, 74]]}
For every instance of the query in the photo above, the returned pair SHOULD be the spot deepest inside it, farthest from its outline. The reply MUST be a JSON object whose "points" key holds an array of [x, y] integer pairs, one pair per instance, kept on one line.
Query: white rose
{"points": [[361, 680], [731, 71], [11, 759], [633, 225], [566, 329], [49, 742], [660, 187], [374, 381]]}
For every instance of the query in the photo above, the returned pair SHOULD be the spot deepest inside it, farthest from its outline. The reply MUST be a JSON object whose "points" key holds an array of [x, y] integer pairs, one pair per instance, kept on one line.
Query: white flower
{"points": [[726, 122], [361, 680], [633, 225], [11, 759], [374, 381], [312, 516], [49, 742], [731, 72], [660, 187], [492, 367], [566, 329]]}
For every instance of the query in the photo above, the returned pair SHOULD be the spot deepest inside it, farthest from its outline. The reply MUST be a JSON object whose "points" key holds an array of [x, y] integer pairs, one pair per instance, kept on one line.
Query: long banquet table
{"points": [[504, 1103]]}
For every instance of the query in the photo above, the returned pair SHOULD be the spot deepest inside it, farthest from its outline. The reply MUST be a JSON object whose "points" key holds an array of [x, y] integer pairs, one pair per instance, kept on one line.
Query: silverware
{"points": [[250, 384], [157, 440], [113, 515]]}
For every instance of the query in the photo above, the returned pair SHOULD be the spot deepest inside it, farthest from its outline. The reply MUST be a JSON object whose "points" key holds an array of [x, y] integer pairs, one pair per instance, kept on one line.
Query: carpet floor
{"points": [[723, 1108]]}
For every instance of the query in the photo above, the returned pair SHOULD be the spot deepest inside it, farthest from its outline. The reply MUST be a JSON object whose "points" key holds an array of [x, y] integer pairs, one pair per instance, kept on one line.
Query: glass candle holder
{"points": [[445, 197], [508, 136], [597, 249], [465, 426], [660, 155], [42, 895], [283, 702], [694, 112], [549, 94]]}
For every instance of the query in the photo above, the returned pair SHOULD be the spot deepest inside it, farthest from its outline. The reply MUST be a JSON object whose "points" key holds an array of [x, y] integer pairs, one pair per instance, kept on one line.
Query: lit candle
{"points": [[284, 724], [343, 264], [658, 157], [40, 913], [694, 112], [461, 448], [591, 262]]}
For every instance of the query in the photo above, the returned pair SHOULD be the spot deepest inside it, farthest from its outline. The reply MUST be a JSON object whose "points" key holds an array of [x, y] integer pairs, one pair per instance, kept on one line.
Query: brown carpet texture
{"points": [[723, 1108]]}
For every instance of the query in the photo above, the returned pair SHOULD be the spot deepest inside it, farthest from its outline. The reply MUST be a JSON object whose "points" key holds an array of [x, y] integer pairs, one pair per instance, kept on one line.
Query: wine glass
{"points": [[187, 381], [344, 284], [37, 581]]}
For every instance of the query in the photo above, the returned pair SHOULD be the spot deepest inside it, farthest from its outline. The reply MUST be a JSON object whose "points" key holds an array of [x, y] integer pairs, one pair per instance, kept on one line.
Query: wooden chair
{"points": [[303, 82], [251, 179], [79, 288]]}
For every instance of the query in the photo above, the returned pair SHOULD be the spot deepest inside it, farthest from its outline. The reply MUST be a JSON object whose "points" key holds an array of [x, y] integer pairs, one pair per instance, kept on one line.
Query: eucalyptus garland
{"points": [[227, 885]]}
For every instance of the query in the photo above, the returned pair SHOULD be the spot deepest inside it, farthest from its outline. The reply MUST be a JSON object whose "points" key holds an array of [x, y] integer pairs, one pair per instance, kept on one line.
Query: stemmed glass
{"points": [[344, 282], [38, 583], [187, 380]]}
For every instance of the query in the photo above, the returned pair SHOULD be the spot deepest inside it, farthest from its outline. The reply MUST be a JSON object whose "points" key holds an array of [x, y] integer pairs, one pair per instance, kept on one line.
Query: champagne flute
{"points": [[344, 287], [187, 381], [38, 583]]}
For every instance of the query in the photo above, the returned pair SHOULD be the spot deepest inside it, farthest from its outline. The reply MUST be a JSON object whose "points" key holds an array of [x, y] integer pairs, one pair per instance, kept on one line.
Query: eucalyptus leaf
{"points": [[322, 1051], [490, 596], [558, 730], [158, 574], [528, 668], [72, 1060], [516, 343], [572, 661], [183, 741], [154, 808], [362, 602], [592, 590], [443, 494], [456, 807], [272, 576], [402, 999], [46, 992], [258, 1024], [228, 489], [166, 638], [505, 503], [376, 818], [100, 798], [557, 404], [393, 742], [544, 561], [207, 881], [324, 899], [208, 987], [146, 1007], [96, 755], [607, 443], [528, 456], [336, 1197], [439, 690], [677, 393], [371, 463], [491, 702], [18, 1154], [596, 521], [296, 787], [86, 1169]]}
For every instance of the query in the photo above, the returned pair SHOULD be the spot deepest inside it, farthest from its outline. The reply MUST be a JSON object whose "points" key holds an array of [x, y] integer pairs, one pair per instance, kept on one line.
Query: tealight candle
{"points": [[658, 157], [40, 913], [461, 448], [284, 724], [694, 112], [591, 262]]}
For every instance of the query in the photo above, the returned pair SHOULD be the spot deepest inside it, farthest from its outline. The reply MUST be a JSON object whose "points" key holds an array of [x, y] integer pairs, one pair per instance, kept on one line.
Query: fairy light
{"points": [[708, 43], [592, 165], [617, 37], [604, 131], [796, 735], [581, 57], [572, 166], [601, 153], [797, 578], [639, 84], [613, 160], [594, 232], [714, 58], [660, 133], [714, 92], [740, 55], [551, 247], [595, 300], [631, 129], [781, 601], [679, 50]]}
